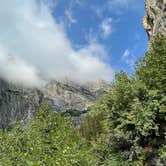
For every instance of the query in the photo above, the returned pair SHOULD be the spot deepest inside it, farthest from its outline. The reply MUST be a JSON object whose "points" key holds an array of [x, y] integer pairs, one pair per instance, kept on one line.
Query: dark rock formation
{"points": [[17, 103]]}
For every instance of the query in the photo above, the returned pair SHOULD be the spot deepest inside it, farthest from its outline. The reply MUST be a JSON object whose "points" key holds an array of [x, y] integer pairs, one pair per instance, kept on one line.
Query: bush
{"points": [[49, 139]]}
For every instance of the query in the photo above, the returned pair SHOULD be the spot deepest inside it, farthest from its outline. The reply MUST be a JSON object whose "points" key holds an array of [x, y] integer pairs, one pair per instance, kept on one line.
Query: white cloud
{"points": [[106, 27], [70, 17], [17, 71], [69, 13], [129, 58], [41, 49], [126, 54], [51, 4]]}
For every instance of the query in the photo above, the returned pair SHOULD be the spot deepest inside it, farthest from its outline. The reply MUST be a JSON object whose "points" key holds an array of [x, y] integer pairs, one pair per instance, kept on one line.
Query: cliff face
{"points": [[17, 103], [69, 95], [72, 99], [155, 20]]}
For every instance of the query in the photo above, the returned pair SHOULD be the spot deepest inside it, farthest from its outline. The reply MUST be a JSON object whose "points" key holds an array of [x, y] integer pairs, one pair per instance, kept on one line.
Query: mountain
{"points": [[20, 103], [70, 95]]}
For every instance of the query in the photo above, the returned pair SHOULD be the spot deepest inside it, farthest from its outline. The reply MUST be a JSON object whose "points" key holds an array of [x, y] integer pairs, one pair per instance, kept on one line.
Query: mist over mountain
{"points": [[60, 103], [35, 48]]}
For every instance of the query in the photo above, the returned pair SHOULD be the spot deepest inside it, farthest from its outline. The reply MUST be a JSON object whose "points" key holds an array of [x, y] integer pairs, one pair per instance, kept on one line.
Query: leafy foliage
{"points": [[49, 139], [151, 69], [135, 111]]}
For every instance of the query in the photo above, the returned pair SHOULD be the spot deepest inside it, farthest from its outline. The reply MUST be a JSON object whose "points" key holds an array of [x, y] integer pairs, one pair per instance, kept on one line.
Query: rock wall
{"points": [[69, 95], [155, 20], [17, 103]]}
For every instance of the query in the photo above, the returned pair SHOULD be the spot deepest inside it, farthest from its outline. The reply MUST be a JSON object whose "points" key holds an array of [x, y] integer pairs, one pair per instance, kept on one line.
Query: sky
{"points": [[81, 40], [115, 24]]}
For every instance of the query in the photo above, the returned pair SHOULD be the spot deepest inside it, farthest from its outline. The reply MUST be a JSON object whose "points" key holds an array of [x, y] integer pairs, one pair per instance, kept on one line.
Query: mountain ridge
{"points": [[20, 103]]}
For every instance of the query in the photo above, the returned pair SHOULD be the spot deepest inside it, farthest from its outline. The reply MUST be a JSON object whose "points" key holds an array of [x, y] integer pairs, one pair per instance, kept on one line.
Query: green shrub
{"points": [[49, 139], [162, 152]]}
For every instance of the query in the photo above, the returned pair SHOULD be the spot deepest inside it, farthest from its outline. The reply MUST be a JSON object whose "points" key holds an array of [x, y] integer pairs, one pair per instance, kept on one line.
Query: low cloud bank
{"points": [[34, 48]]}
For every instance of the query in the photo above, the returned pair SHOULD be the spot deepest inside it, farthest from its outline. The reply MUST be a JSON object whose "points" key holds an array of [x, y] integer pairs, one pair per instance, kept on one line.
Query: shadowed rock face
{"points": [[155, 20], [17, 103]]}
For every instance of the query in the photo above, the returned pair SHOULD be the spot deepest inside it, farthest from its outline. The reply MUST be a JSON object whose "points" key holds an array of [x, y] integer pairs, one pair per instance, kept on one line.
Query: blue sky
{"points": [[82, 40], [123, 35]]}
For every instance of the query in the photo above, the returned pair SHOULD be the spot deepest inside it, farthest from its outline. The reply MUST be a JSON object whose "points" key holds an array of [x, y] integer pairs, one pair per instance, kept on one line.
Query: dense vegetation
{"points": [[132, 116], [48, 139], [126, 127]]}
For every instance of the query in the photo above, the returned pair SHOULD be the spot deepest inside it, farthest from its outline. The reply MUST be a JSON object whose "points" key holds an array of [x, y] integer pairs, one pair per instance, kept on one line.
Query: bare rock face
{"points": [[17, 103], [73, 99], [155, 20], [69, 95], [20, 103]]}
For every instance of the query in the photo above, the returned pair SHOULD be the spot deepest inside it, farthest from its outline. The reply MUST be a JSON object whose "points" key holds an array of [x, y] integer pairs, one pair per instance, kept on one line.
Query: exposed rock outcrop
{"points": [[155, 20], [17, 103], [20, 103], [73, 99], [69, 95]]}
